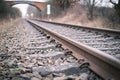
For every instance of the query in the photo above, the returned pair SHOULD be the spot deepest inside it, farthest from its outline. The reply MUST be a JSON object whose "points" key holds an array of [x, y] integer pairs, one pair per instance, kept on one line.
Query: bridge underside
{"points": [[39, 5]]}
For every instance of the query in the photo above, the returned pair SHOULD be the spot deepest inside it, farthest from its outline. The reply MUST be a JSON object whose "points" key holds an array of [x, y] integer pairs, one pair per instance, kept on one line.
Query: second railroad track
{"points": [[99, 47]]}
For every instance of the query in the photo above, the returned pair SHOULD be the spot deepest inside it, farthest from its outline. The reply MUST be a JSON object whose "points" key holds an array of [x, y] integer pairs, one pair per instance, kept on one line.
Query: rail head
{"points": [[109, 31], [111, 62], [97, 53]]}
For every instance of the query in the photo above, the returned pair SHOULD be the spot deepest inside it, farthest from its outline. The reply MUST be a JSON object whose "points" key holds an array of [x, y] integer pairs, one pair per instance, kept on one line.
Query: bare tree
{"points": [[58, 6], [116, 6], [34, 12], [90, 5], [63, 4]]}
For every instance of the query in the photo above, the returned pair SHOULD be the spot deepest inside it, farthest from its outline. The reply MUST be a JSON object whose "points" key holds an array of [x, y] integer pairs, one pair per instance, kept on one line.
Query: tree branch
{"points": [[112, 2]]}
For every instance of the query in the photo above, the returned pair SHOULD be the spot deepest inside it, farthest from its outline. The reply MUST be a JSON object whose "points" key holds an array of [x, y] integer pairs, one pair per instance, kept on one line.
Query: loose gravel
{"points": [[28, 54]]}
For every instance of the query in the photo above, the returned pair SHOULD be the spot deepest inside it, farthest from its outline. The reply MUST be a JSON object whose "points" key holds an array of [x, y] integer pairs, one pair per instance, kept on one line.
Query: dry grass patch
{"points": [[6, 24], [78, 16]]}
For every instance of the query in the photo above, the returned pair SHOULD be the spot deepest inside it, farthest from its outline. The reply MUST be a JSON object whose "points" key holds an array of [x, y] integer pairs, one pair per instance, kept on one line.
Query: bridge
{"points": [[40, 4]]}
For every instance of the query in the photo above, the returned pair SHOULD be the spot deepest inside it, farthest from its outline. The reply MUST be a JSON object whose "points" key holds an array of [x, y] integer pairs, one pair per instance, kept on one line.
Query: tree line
{"points": [[7, 12], [90, 4], [116, 7]]}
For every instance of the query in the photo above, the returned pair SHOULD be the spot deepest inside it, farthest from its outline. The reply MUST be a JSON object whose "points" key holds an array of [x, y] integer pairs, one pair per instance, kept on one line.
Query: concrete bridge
{"points": [[40, 4]]}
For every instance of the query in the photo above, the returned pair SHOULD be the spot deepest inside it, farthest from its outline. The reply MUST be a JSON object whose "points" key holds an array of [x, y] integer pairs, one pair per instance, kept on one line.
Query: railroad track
{"points": [[100, 47], [27, 53]]}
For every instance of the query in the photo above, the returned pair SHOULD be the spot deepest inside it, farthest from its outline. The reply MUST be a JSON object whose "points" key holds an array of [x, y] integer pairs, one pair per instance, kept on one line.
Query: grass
{"points": [[78, 16], [6, 24]]}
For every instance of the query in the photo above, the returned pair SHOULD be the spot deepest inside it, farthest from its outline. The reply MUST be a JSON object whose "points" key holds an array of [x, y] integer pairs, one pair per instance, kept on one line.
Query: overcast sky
{"points": [[22, 8], [29, 0], [105, 3]]}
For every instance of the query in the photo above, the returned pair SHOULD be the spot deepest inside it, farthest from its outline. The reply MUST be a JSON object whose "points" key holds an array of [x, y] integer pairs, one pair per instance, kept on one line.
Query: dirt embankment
{"points": [[78, 15]]}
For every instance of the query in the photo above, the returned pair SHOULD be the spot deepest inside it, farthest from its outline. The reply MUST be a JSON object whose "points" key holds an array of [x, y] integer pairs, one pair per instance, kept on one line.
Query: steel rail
{"points": [[106, 30], [103, 64]]}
